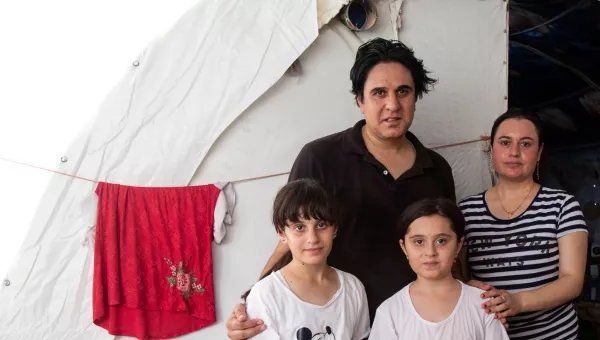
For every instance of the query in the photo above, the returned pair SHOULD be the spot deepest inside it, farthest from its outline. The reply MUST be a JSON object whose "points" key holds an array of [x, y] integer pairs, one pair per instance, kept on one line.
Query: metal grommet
{"points": [[64, 159], [136, 63], [505, 97], [504, 31], [6, 282], [385, 172]]}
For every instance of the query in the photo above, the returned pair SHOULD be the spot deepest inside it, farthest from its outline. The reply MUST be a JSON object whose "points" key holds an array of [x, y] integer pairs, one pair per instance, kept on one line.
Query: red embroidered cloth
{"points": [[153, 275]]}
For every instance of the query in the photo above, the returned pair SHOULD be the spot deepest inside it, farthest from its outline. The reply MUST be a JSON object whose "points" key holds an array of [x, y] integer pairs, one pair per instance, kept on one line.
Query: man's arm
{"points": [[279, 251]]}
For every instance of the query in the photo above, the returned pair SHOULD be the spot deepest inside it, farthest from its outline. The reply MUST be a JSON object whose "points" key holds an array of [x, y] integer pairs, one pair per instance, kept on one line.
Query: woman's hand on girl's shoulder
{"points": [[488, 288], [501, 302]]}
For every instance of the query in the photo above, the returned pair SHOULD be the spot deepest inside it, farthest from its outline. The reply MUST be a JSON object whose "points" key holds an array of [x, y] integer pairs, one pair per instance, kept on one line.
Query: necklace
{"points": [[511, 213]]}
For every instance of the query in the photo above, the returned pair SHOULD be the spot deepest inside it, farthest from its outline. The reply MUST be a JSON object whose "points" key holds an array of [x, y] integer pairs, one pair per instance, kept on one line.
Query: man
{"points": [[375, 170]]}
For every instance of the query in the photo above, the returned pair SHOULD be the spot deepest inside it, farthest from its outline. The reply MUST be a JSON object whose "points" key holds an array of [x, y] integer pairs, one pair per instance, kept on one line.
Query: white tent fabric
{"points": [[328, 9], [162, 104], [153, 130]]}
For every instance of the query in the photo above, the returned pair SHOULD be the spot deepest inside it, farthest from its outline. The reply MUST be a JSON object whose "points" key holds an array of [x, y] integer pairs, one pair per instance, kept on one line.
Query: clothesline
{"points": [[480, 139]]}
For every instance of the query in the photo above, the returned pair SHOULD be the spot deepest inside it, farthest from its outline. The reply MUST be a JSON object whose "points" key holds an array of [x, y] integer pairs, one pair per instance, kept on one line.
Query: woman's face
{"points": [[516, 149]]}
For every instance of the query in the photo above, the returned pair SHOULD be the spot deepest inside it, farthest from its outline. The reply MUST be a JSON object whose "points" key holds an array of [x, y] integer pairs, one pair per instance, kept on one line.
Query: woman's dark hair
{"points": [[429, 207], [297, 200], [381, 50], [518, 114]]}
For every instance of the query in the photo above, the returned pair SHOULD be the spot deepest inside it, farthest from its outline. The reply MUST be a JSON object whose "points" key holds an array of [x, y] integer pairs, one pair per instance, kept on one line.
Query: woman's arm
{"points": [[572, 257], [572, 251]]}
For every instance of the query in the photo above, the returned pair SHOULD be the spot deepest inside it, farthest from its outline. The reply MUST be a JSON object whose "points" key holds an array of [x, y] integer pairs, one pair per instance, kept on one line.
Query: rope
{"points": [[482, 138]]}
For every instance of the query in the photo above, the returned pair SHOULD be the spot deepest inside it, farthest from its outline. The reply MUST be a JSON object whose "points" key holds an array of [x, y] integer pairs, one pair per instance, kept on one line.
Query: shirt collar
{"points": [[353, 142]]}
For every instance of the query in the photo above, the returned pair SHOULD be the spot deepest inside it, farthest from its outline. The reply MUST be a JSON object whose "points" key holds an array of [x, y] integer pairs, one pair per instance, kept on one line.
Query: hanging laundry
{"points": [[153, 275]]}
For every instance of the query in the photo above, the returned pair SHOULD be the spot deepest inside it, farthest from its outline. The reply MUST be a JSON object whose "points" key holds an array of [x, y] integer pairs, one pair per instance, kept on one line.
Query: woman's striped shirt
{"points": [[522, 254]]}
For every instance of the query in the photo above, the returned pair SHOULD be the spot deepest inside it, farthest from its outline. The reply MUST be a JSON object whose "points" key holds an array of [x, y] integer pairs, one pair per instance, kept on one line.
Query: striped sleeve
{"points": [[570, 219]]}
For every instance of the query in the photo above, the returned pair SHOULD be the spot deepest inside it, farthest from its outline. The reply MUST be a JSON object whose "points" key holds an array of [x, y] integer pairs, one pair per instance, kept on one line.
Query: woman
{"points": [[526, 244]]}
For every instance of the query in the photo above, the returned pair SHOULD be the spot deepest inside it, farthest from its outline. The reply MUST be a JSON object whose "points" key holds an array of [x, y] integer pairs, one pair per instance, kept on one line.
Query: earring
{"points": [[537, 170], [455, 257], [334, 235], [407, 257]]}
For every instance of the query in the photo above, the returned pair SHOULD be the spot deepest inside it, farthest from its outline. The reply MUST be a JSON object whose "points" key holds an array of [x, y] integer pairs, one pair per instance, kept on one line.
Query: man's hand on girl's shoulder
{"points": [[238, 328]]}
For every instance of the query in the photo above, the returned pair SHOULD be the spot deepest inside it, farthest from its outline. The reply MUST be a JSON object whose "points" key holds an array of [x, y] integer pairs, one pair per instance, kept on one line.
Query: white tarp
{"points": [[59, 59], [160, 140], [153, 129]]}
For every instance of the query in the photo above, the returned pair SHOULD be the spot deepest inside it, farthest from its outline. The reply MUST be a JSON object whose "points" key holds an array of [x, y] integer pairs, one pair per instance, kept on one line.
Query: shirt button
{"points": [[385, 172]]}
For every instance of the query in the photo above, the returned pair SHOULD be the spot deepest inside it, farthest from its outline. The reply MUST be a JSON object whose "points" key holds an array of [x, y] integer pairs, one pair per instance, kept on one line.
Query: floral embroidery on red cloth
{"points": [[184, 282]]}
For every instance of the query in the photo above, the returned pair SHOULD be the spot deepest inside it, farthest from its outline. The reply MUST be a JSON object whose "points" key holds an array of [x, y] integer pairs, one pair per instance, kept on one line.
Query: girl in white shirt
{"points": [[435, 305], [302, 298]]}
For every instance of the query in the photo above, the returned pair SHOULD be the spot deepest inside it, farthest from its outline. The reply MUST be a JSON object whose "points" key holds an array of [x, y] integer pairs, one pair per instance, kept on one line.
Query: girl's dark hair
{"points": [[297, 200], [429, 207], [518, 114], [379, 50]]}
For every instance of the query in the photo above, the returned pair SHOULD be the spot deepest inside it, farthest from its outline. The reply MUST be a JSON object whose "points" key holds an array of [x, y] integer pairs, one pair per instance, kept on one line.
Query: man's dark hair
{"points": [[429, 207], [379, 50]]}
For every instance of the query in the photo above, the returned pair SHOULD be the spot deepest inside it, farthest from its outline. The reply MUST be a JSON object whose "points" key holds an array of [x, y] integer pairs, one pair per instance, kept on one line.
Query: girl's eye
{"points": [[322, 225], [441, 241], [299, 227], [526, 144], [504, 142], [419, 242]]}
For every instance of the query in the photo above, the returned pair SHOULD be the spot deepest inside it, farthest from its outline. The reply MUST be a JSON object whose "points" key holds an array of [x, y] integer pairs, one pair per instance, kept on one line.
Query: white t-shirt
{"points": [[396, 318], [345, 316]]}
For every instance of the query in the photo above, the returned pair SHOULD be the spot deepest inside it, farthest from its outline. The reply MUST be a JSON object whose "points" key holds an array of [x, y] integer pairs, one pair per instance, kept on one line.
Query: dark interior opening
{"points": [[554, 71]]}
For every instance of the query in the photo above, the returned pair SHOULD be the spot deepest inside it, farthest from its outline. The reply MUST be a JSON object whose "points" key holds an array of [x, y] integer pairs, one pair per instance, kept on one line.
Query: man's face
{"points": [[388, 102]]}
